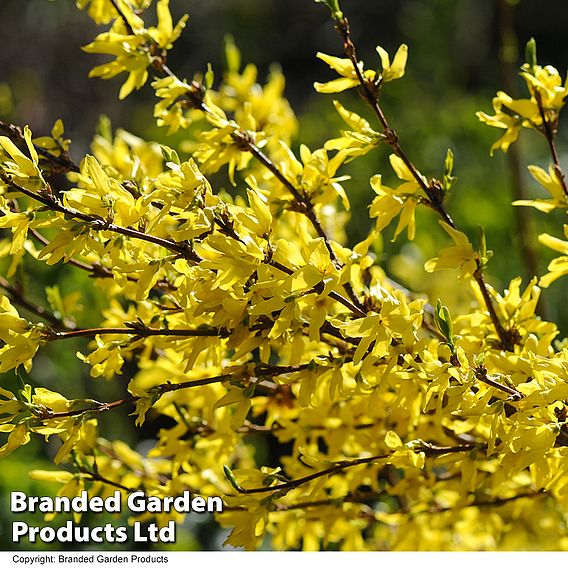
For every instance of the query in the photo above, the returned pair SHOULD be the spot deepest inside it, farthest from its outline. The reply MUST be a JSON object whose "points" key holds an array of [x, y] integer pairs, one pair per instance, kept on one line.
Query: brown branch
{"points": [[99, 478], [549, 134], [17, 297], [481, 375], [96, 270], [429, 450], [163, 388], [99, 224], [497, 502], [135, 330], [319, 288], [98, 408], [302, 200], [63, 162], [122, 17], [370, 93], [507, 337], [357, 497]]}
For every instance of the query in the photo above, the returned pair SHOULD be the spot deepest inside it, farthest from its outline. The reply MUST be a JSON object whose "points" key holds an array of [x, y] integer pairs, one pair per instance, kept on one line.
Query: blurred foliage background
{"points": [[460, 53]]}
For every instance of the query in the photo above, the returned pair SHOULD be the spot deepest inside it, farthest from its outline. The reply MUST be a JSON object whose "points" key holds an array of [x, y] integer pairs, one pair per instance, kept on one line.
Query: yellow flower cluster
{"points": [[541, 113]]}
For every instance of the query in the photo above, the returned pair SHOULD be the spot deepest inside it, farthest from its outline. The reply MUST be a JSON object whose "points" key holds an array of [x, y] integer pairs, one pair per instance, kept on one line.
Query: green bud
{"points": [[449, 162], [209, 77], [484, 254], [104, 127], [170, 155], [530, 53], [443, 320], [232, 54], [334, 8], [478, 359], [249, 391], [231, 478], [25, 392], [449, 179], [496, 407]]}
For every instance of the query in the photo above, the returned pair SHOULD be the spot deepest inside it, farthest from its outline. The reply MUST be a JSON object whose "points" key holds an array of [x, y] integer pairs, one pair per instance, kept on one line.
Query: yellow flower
{"points": [[319, 179], [547, 81], [460, 256], [346, 69], [559, 266], [240, 89], [551, 182], [547, 98], [400, 201], [10, 407], [104, 196], [395, 70], [19, 223], [102, 11], [511, 124], [350, 77], [355, 142], [19, 338], [11, 324], [388, 204], [174, 108], [19, 436], [22, 170], [135, 51], [217, 147]]}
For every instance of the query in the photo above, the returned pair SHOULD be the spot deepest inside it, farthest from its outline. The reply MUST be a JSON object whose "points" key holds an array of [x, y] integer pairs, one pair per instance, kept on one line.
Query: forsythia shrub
{"points": [[400, 425]]}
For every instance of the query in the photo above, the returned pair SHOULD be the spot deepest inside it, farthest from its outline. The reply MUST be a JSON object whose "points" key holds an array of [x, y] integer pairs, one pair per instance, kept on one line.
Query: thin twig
{"points": [[305, 204], [481, 375], [163, 388], [18, 298], [370, 93], [63, 162], [357, 497], [123, 17], [292, 484], [99, 478], [319, 288], [96, 270], [99, 224], [136, 331], [497, 502], [549, 134]]}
